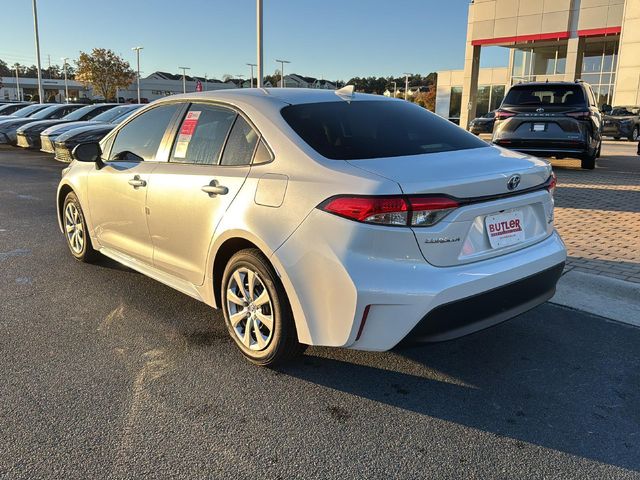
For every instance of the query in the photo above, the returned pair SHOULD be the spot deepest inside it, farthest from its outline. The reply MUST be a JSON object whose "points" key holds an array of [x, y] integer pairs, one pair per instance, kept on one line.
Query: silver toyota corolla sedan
{"points": [[318, 217]]}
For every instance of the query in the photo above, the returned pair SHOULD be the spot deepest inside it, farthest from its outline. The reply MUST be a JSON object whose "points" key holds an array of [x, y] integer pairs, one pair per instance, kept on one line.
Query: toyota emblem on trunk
{"points": [[513, 182], [540, 110]]}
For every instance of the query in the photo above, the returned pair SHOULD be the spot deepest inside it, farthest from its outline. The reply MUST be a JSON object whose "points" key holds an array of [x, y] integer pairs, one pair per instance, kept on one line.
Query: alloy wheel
{"points": [[74, 228], [250, 309]]}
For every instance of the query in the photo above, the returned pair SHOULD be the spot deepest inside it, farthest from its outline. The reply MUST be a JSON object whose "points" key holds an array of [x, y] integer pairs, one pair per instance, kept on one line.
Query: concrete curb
{"points": [[604, 296]]}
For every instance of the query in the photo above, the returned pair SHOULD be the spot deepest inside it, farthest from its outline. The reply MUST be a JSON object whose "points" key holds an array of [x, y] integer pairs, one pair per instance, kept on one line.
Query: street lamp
{"points": [[17, 66], [66, 85], [251, 65], [35, 29], [205, 82], [137, 49], [406, 84], [282, 62], [259, 42], [395, 89], [184, 78]]}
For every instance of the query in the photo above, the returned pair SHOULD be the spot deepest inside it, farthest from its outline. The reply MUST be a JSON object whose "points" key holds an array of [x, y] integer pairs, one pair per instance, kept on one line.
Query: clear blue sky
{"points": [[334, 39]]}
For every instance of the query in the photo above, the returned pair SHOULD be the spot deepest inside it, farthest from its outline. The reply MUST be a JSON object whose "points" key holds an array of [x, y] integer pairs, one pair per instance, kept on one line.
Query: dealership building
{"points": [[597, 41]]}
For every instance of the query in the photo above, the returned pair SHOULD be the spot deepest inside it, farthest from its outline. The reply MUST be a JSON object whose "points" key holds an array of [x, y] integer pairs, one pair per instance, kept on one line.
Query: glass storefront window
{"points": [[599, 60], [482, 101], [532, 62], [497, 95], [455, 102]]}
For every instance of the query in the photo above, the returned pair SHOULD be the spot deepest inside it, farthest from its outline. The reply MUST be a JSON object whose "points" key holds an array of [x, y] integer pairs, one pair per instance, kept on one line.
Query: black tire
{"points": [[616, 138], [85, 254], [634, 135], [588, 162], [282, 344]]}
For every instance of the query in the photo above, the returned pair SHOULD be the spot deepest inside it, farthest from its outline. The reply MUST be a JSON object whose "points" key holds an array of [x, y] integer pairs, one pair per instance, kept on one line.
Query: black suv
{"points": [[622, 122], [551, 119]]}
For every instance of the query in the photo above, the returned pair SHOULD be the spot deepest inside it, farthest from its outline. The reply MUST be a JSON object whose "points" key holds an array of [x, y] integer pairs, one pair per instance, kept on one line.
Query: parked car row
{"points": [[58, 128]]}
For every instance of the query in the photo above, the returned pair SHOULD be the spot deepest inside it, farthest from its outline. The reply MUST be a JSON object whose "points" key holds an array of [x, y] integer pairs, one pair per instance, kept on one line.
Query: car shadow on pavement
{"points": [[552, 377]]}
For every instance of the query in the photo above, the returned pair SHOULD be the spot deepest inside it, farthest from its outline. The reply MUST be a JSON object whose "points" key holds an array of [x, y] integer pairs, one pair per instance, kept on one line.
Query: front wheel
{"points": [[257, 311], [635, 134], [76, 231]]}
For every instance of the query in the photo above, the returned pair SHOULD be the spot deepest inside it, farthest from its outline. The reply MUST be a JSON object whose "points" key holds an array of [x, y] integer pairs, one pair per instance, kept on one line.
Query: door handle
{"points": [[137, 182], [214, 189]]}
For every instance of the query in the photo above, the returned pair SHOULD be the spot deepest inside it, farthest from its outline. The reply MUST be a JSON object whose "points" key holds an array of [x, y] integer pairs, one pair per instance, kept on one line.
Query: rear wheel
{"points": [[588, 162], [75, 230], [257, 311], [635, 134]]}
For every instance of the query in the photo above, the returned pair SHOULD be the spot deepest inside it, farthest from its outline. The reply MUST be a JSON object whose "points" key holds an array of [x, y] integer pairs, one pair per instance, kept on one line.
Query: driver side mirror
{"points": [[88, 152]]}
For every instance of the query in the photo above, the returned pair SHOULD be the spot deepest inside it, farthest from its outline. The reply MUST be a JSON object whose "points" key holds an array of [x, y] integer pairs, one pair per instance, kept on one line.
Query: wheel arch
{"points": [[64, 190], [235, 240]]}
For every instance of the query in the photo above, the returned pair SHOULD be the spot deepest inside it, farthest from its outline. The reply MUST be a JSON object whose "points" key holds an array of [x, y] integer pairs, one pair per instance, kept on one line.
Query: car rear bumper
{"points": [[354, 290], [489, 308], [544, 148]]}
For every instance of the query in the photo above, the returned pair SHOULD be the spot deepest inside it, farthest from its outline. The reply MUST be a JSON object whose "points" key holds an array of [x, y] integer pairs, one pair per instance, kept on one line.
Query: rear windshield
{"points": [[375, 129], [565, 95]]}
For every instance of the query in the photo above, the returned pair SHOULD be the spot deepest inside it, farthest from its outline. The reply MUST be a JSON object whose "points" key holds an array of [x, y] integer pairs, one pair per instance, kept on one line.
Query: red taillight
{"points": [[504, 114], [391, 210], [580, 115], [552, 183]]}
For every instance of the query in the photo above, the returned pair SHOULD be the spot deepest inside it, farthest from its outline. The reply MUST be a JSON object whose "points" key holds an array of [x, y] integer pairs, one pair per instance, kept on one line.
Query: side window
{"points": [[61, 112], [262, 155], [202, 134], [140, 138], [95, 112], [240, 145]]}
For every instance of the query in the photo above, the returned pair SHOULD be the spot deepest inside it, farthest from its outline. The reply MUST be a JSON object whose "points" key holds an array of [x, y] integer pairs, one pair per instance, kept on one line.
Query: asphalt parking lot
{"points": [[105, 373]]}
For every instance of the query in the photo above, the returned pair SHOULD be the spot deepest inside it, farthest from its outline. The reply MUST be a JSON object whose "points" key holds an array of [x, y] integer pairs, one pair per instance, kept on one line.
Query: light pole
{"points": [[35, 29], [137, 49], [406, 85], [395, 89], [16, 66], [282, 62], [205, 82], [66, 85], [184, 78], [251, 65], [259, 42]]}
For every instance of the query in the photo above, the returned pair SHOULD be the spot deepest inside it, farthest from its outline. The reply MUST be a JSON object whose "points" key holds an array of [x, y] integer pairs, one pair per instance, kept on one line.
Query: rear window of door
{"points": [[202, 134], [139, 139], [240, 145]]}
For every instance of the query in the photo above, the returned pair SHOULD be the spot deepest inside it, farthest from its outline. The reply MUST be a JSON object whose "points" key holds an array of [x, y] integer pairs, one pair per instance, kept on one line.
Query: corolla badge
{"points": [[513, 182]]}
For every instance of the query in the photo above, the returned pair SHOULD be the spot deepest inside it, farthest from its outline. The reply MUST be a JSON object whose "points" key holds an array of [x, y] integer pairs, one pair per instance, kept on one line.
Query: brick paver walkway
{"points": [[598, 215]]}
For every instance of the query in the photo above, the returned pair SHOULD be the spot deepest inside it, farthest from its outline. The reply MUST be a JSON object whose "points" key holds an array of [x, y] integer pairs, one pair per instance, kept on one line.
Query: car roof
{"points": [[291, 96]]}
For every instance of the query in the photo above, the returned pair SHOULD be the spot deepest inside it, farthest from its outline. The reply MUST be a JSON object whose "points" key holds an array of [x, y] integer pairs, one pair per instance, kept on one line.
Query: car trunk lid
{"points": [[480, 179]]}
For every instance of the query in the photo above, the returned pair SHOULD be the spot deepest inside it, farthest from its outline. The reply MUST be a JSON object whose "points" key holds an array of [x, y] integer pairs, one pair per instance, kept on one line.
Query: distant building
{"points": [[294, 80]]}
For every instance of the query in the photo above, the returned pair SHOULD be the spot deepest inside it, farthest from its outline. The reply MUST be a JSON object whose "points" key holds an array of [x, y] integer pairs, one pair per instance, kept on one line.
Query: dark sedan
{"points": [[483, 124], [28, 136], [9, 126], [11, 108], [50, 135], [66, 142], [622, 122]]}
